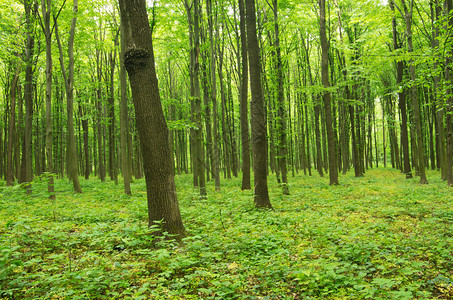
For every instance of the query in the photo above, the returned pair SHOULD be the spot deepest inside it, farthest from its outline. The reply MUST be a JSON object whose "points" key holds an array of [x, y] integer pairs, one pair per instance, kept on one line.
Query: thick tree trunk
{"points": [[261, 194], [159, 173]]}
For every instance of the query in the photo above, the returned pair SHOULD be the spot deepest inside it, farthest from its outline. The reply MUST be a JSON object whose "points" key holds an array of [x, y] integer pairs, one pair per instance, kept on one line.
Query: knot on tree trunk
{"points": [[135, 58]]}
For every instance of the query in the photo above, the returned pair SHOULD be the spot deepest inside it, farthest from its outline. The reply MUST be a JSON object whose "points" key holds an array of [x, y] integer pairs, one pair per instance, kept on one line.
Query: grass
{"points": [[376, 237]]}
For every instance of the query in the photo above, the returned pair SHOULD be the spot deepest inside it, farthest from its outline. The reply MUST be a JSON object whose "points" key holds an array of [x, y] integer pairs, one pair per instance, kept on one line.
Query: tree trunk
{"points": [[163, 205], [111, 114], [401, 102], [26, 165], [245, 140], [281, 123], [124, 120], [86, 151], [215, 148], [69, 85], [414, 95], [11, 129], [318, 159], [261, 194], [449, 103], [197, 133], [333, 171], [439, 101]]}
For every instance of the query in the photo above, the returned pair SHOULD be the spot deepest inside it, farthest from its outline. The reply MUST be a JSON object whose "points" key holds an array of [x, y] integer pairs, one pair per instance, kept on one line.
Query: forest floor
{"points": [[376, 237]]}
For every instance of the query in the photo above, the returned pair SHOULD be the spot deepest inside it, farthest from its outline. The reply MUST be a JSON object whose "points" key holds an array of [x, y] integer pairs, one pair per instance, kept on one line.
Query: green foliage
{"points": [[377, 237]]}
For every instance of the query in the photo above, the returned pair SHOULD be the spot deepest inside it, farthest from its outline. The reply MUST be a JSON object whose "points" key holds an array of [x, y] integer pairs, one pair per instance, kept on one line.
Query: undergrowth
{"points": [[376, 237]]}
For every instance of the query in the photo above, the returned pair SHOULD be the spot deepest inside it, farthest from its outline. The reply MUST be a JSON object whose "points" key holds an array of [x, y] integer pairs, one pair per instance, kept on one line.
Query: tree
{"points": [[333, 171], [401, 101], [68, 76], [124, 124], [26, 173], [281, 122], [46, 6], [11, 126], [215, 148], [261, 194], [414, 91], [154, 138], [197, 132], [449, 100], [245, 140]]}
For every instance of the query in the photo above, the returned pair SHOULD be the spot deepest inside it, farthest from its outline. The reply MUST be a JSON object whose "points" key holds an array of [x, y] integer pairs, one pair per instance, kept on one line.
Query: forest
{"points": [[226, 149]]}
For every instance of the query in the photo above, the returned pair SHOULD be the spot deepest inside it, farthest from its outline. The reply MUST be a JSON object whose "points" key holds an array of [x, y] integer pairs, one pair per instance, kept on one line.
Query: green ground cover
{"points": [[376, 237]]}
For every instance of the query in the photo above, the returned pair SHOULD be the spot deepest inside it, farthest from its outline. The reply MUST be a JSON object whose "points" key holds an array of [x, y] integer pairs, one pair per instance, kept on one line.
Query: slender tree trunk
{"points": [[245, 140], [69, 85], [333, 171], [197, 134], [318, 159], [124, 119], [215, 148], [414, 95], [281, 106], [11, 129], [26, 165], [449, 102], [401, 102], [439, 101], [224, 98], [19, 131], [199, 156], [86, 151], [207, 108], [159, 174], [111, 113]]}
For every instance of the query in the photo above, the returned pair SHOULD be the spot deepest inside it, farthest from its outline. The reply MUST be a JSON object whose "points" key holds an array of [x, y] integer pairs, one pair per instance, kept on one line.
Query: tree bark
{"points": [[68, 76], [245, 140], [26, 164], [401, 102], [414, 94], [449, 102], [281, 122], [111, 113], [333, 171], [124, 120], [163, 205], [261, 194], [11, 129], [215, 146], [315, 98]]}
